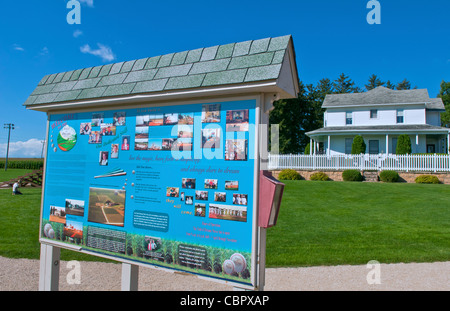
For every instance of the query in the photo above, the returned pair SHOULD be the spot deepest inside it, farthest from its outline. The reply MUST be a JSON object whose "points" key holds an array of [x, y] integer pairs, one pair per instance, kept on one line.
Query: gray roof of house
{"points": [[379, 128], [235, 63], [383, 96]]}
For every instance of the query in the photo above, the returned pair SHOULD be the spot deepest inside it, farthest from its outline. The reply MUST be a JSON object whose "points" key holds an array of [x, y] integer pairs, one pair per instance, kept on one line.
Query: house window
{"points": [[348, 118], [348, 145], [373, 113], [374, 146], [400, 116]]}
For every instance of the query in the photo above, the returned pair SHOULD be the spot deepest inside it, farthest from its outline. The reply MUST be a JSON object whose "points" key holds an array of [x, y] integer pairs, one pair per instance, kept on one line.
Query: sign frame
{"points": [[47, 275]]}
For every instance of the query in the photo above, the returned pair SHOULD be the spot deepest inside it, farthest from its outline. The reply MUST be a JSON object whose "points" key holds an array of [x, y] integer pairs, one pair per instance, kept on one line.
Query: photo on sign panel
{"points": [[236, 150], [228, 212], [211, 138], [97, 119], [156, 120], [188, 183], [58, 214], [107, 206], [74, 207], [211, 113], [119, 118], [186, 118], [237, 120]]}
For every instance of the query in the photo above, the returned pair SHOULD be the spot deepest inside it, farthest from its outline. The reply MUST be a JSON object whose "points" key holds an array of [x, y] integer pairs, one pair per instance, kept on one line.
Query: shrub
{"points": [[389, 176], [307, 149], [358, 145], [319, 176], [289, 174], [427, 179], [352, 175], [403, 144]]}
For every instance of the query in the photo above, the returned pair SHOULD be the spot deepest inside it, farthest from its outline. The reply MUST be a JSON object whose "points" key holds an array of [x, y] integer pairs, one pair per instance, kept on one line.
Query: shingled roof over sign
{"points": [[224, 65]]}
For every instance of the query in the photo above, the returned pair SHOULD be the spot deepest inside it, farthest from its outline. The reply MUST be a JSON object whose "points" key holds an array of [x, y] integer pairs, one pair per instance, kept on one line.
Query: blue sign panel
{"points": [[171, 186]]}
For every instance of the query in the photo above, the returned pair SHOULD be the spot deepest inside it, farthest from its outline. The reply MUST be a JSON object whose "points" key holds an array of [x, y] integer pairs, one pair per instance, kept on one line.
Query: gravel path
{"points": [[23, 275]]}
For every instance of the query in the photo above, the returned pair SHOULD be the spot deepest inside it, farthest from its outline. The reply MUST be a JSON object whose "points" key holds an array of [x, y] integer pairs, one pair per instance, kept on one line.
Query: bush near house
{"points": [[319, 176], [389, 176], [289, 174], [352, 175], [427, 179], [403, 145], [307, 149], [358, 145]]}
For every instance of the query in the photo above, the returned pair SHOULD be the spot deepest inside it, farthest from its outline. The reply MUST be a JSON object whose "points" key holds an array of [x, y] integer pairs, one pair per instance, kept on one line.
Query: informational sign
{"points": [[170, 185]]}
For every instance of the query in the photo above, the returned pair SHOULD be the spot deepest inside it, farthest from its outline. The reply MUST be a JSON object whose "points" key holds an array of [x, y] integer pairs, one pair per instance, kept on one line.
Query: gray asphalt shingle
{"points": [[249, 61]]}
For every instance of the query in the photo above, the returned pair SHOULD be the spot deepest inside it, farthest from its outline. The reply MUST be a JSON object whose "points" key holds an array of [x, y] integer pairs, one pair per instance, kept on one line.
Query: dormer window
{"points": [[348, 118], [373, 113], [399, 115]]}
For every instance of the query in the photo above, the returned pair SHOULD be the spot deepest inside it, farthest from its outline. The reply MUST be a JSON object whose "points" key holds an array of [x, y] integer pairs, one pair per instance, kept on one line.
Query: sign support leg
{"points": [[130, 277], [262, 258], [49, 268]]}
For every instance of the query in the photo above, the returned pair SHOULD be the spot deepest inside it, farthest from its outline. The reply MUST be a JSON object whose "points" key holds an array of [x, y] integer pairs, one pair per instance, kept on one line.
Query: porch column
{"points": [[314, 143], [310, 146], [448, 143], [417, 143], [387, 144], [329, 146]]}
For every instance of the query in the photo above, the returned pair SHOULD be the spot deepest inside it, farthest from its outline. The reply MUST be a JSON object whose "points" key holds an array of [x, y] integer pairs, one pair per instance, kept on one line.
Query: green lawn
{"points": [[320, 223], [332, 223]]}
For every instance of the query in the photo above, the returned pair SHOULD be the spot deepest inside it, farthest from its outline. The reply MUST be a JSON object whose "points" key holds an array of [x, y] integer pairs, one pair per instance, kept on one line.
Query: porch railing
{"points": [[406, 163]]}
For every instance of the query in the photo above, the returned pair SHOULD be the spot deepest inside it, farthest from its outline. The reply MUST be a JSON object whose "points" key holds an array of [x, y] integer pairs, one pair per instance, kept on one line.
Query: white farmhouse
{"points": [[380, 116]]}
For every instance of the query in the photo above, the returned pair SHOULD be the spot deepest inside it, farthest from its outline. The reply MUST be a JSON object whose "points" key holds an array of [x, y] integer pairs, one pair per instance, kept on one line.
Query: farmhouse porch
{"points": [[379, 139]]}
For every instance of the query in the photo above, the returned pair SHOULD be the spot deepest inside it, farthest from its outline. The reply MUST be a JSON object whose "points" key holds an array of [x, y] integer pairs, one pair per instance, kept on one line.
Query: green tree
{"points": [[344, 84], [374, 82], [358, 145], [444, 94], [390, 85], [403, 144], [298, 116], [288, 114], [404, 85]]}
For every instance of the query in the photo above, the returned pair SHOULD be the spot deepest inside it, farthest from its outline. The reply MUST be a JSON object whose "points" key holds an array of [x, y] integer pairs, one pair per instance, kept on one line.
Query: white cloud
{"points": [[89, 3], [44, 51], [103, 51], [77, 33], [18, 47], [23, 149]]}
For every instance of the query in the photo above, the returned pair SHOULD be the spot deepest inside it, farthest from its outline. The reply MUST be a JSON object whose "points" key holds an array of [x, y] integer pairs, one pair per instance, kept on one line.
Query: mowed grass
{"points": [[320, 223], [334, 223]]}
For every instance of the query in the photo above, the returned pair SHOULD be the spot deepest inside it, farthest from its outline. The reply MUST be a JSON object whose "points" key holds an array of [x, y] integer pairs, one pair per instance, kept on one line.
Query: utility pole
{"points": [[10, 127], [43, 144]]}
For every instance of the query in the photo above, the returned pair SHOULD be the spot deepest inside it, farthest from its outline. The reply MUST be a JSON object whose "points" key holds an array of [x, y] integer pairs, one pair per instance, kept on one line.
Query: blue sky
{"points": [[330, 37]]}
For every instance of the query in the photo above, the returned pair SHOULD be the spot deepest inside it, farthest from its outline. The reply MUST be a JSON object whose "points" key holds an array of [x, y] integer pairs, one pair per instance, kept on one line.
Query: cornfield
{"points": [[32, 164]]}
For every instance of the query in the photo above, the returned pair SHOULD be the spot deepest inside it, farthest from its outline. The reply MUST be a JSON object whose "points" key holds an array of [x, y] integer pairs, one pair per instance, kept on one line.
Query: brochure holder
{"points": [[270, 194]]}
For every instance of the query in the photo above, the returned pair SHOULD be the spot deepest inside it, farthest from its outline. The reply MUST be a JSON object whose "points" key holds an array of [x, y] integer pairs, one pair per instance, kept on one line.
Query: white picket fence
{"points": [[380, 162]]}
